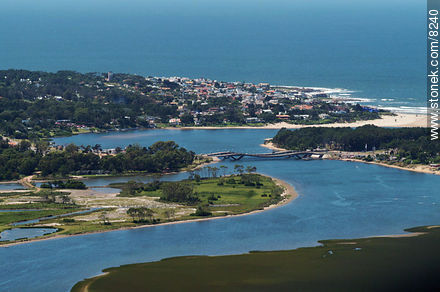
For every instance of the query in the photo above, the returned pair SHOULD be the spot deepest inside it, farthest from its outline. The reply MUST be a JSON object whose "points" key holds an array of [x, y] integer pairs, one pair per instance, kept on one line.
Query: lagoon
{"points": [[17, 233], [337, 199], [11, 186]]}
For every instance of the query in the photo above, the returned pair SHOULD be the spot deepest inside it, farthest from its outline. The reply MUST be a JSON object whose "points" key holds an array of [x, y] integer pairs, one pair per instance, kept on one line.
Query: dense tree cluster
{"points": [[140, 213], [38, 104], [15, 161], [159, 157], [59, 184], [180, 192], [409, 143], [32, 102]]}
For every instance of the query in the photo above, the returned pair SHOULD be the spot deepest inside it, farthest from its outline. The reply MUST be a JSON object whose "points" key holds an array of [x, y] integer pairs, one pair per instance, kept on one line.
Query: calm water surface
{"points": [[11, 186], [17, 233], [337, 200]]}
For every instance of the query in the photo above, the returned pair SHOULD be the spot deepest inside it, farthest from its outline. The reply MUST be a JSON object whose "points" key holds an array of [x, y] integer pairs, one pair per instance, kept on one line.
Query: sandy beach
{"points": [[397, 121], [417, 168], [288, 195]]}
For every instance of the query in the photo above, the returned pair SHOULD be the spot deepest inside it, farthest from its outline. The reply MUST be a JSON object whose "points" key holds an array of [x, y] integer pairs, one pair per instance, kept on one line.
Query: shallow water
{"points": [[17, 233], [336, 200], [11, 186]]}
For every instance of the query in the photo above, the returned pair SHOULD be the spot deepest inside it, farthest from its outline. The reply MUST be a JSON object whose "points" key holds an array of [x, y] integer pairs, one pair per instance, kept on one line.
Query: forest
{"points": [[407, 143], [21, 160], [39, 104]]}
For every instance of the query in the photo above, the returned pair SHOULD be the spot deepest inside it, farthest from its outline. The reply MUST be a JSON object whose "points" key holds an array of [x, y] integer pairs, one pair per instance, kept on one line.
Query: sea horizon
{"points": [[270, 42]]}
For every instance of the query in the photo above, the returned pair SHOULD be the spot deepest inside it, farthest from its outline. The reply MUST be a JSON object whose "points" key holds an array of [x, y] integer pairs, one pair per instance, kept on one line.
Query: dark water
{"points": [[199, 141], [11, 186], [374, 47], [337, 200], [17, 233]]}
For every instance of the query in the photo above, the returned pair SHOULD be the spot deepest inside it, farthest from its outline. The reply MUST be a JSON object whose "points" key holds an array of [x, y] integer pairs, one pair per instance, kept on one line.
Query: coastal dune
{"points": [[399, 120]]}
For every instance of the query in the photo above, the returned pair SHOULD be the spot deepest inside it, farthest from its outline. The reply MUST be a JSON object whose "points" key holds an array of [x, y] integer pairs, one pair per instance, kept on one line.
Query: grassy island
{"points": [[233, 194], [135, 204], [407, 263]]}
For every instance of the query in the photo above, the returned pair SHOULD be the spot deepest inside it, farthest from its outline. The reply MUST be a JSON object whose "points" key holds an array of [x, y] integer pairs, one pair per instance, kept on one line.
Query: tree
{"points": [[140, 213], [169, 213], [48, 197], [24, 146], [145, 212], [65, 199], [214, 171], [239, 168], [71, 148], [224, 169], [187, 119], [104, 217], [201, 211], [178, 192], [97, 148], [133, 212]]}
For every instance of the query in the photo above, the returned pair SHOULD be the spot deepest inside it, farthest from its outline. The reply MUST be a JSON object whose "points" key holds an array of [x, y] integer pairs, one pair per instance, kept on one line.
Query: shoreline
{"points": [[419, 168], [400, 120], [288, 196], [26, 181]]}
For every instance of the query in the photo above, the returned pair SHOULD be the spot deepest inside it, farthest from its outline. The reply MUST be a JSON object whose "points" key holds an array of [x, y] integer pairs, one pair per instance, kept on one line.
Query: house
{"points": [[302, 107], [253, 120], [304, 117], [174, 121], [283, 117]]}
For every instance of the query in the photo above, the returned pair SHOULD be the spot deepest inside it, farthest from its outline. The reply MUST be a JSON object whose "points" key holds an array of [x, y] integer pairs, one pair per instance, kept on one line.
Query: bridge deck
{"points": [[279, 154]]}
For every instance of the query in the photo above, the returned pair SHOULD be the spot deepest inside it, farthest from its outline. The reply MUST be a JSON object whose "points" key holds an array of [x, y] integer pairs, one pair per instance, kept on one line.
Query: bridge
{"points": [[305, 155]]}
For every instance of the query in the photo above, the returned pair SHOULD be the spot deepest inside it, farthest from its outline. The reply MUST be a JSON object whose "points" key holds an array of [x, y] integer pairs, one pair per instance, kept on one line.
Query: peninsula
{"points": [[204, 195], [40, 105]]}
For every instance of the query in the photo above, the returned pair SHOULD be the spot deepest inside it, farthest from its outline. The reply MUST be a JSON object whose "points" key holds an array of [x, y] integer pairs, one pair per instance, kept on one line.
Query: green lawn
{"points": [[227, 197], [369, 264], [242, 198]]}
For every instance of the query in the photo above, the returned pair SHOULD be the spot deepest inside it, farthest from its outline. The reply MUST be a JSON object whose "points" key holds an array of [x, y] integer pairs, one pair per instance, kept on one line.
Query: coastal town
{"points": [[209, 102], [56, 104]]}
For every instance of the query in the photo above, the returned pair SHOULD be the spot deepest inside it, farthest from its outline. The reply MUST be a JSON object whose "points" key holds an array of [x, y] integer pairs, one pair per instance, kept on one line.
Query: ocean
{"points": [[373, 49]]}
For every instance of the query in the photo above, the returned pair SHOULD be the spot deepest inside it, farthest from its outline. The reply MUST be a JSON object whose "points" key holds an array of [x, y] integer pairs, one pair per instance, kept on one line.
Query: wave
{"points": [[406, 109]]}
